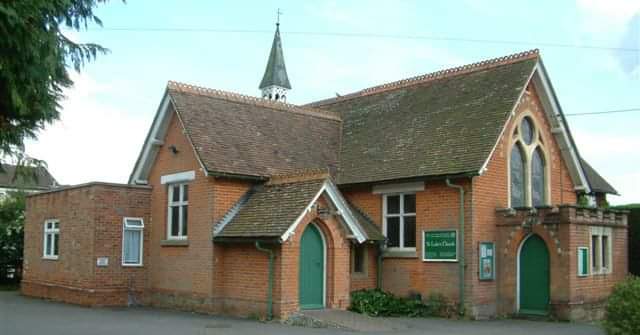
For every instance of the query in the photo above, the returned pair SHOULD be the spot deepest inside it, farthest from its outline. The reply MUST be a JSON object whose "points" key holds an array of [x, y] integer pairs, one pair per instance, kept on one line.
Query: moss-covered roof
{"points": [[444, 125]]}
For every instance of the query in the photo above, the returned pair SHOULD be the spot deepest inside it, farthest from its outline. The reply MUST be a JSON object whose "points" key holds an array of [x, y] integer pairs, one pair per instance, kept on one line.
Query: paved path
{"points": [[26, 316]]}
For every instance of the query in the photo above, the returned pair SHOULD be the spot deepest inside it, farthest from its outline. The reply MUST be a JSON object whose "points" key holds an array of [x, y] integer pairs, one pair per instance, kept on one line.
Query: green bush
{"points": [[623, 308], [380, 303]]}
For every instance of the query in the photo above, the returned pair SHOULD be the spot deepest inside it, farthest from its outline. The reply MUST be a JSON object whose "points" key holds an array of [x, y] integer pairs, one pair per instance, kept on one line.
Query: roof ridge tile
{"points": [[440, 74], [246, 99]]}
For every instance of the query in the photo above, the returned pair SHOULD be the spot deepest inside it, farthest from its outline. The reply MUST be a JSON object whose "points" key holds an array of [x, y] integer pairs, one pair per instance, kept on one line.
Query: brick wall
{"points": [[491, 192], [91, 219], [437, 207]]}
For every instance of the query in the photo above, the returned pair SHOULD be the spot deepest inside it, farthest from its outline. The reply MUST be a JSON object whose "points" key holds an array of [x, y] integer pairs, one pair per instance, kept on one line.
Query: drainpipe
{"points": [[271, 278], [379, 265], [460, 244]]}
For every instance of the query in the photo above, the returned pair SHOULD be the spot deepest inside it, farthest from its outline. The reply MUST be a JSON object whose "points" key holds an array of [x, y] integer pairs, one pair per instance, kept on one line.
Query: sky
{"points": [[589, 47]]}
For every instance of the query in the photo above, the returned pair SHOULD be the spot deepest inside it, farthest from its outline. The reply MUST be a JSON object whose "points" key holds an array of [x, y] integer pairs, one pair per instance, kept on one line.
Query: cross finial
{"points": [[278, 14]]}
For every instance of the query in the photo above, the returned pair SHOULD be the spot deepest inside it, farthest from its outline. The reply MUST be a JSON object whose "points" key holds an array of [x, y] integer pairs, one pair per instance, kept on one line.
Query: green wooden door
{"points": [[311, 269], [534, 277]]}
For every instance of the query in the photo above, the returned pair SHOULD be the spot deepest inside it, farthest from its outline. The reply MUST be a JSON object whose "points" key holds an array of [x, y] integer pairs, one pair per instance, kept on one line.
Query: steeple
{"points": [[275, 82]]}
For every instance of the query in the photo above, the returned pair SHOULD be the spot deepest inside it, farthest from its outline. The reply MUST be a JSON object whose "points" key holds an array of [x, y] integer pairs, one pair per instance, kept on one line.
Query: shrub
{"points": [[623, 308], [379, 303]]}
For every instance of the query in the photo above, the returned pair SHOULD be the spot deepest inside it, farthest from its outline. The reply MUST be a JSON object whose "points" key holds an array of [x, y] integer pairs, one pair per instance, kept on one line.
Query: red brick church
{"points": [[462, 182]]}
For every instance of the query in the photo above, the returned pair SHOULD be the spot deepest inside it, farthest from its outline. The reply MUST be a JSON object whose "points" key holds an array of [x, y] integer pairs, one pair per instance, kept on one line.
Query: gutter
{"points": [[461, 263], [271, 279]]}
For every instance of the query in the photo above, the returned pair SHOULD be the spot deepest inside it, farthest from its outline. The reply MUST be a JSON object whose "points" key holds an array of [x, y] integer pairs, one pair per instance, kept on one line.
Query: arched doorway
{"points": [[312, 268], [533, 276]]}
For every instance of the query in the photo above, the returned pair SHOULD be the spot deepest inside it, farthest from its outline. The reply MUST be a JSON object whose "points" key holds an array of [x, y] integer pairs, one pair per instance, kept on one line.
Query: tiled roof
{"points": [[371, 229], [43, 181], [241, 135], [443, 123], [597, 183], [271, 210]]}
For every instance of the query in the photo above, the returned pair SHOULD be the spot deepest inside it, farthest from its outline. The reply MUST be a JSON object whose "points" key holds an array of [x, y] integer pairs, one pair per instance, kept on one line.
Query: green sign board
{"points": [[440, 246], [487, 261]]}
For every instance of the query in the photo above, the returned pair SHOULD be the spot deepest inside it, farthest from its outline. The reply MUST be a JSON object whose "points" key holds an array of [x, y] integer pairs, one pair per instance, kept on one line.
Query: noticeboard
{"points": [[440, 246], [487, 261]]}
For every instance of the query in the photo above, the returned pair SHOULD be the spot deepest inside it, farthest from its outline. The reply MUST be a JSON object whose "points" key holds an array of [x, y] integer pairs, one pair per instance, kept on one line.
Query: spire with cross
{"points": [[275, 82]]}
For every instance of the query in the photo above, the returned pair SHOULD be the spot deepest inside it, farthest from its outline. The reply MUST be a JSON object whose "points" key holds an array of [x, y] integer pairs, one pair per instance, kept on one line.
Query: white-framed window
{"points": [[400, 220], [132, 240], [601, 249], [178, 213], [51, 239]]}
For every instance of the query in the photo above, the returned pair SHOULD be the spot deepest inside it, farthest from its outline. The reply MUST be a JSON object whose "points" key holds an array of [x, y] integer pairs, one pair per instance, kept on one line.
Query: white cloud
{"points": [[615, 157], [93, 140], [607, 15]]}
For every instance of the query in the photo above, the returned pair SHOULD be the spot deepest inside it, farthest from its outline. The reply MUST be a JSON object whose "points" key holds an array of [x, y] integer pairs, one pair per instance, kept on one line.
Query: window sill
{"points": [[359, 275], [400, 254], [132, 265], [50, 258], [174, 243]]}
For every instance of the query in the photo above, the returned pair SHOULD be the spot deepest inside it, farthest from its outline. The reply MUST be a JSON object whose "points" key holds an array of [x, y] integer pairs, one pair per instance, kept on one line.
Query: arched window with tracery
{"points": [[517, 177], [537, 178], [527, 166]]}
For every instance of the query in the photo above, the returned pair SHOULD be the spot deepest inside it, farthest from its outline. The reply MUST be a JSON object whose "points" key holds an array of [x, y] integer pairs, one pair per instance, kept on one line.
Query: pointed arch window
{"points": [[517, 177], [537, 178], [527, 167]]}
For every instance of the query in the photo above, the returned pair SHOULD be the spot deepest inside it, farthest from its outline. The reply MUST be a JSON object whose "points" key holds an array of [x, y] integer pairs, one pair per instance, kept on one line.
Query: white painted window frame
{"points": [[180, 204], [401, 215], [599, 232], [125, 227], [53, 231]]}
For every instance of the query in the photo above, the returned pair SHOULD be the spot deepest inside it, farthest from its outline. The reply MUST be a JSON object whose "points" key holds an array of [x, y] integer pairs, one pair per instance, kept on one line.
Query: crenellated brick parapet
{"points": [[594, 216], [562, 214]]}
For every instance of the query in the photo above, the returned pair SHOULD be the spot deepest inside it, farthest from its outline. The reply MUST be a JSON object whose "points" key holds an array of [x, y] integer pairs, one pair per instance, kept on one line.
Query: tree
{"points": [[34, 57], [11, 235]]}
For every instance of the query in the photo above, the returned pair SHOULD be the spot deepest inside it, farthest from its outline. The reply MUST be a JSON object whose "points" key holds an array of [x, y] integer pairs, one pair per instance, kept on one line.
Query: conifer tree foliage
{"points": [[35, 55]]}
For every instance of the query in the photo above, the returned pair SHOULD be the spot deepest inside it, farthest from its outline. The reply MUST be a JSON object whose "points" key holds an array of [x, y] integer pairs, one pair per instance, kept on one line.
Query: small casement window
{"points": [[178, 211], [132, 239], [359, 258], [400, 220], [601, 250], [51, 239]]}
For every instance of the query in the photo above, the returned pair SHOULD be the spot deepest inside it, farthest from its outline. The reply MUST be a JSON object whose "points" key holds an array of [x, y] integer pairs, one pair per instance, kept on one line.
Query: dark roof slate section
{"points": [[241, 135], [276, 73], [43, 179], [597, 183], [445, 123], [371, 229], [271, 210]]}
